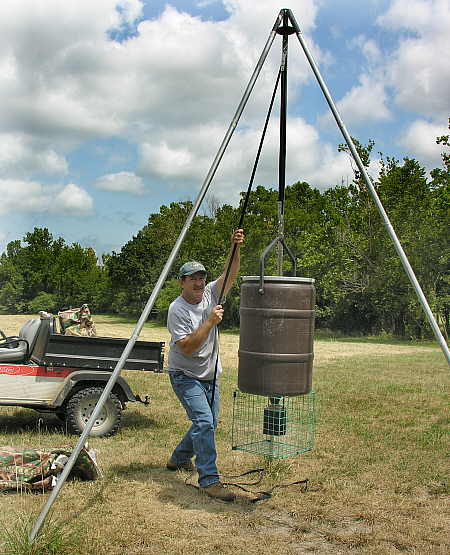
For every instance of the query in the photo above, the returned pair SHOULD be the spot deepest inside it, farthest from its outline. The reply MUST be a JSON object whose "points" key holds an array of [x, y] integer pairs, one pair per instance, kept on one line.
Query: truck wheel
{"points": [[80, 407]]}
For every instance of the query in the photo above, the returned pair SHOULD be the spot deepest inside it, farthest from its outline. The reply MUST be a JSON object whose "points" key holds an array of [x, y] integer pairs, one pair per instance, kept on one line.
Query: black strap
{"points": [[261, 473], [264, 495], [250, 185], [260, 495], [241, 222]]}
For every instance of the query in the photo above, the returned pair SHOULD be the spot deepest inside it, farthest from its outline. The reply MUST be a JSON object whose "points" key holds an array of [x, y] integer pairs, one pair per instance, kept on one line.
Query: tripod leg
{"points": [[387, 224]]}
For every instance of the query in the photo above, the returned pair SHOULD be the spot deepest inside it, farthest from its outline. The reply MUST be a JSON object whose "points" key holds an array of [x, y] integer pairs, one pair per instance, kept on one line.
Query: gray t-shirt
{"points": [[183, 318]]}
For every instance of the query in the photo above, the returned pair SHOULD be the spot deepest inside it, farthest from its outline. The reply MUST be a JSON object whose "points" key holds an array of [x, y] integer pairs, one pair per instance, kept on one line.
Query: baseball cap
{"points": [[190, 268]]}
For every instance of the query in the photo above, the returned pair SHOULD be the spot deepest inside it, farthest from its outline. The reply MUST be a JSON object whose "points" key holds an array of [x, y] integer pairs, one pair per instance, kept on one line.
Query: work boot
{"points": [[218, 491], [188, 466]]}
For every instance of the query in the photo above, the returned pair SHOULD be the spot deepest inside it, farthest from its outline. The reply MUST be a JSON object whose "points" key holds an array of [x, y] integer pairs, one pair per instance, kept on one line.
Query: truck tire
{"points": [[79, 409]]}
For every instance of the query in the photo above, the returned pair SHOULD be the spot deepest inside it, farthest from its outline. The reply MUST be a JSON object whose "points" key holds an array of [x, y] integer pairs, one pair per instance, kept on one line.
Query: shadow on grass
{"points": [[30, 421], [139, 421], [27, 420], [178, 488]]}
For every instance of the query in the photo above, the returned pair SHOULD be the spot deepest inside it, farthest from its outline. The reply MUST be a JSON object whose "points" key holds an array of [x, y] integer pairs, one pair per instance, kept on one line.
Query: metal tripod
{"points": [[285, 24]]}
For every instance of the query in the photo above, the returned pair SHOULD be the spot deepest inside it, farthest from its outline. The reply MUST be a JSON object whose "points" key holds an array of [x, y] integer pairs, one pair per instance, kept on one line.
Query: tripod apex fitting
{"points": [[284, 28]]}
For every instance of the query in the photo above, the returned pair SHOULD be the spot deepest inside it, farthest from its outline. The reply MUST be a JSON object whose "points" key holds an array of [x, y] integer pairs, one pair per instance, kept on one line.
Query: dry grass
{"points": [[378, 475]]}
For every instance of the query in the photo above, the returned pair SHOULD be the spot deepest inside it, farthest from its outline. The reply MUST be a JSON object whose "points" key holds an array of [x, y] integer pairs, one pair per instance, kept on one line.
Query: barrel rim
{"points": [[282, 279]]}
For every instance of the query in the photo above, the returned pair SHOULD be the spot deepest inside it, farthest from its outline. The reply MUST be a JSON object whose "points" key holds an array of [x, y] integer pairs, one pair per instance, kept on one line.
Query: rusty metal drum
{"points": [[276, 335]]}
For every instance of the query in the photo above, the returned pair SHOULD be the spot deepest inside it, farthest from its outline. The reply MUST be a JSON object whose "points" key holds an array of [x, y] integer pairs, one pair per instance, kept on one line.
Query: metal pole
{"points": [[406, 265], [137, 330], [282, 154]]}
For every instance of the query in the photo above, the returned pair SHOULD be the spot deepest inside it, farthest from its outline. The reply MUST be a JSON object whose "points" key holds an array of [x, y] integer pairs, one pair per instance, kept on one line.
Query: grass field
{"points": [[378, 475]]}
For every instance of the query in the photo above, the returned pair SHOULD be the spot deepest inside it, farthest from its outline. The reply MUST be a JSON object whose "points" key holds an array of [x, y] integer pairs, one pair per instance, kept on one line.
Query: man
{"points": [[192, 322]]}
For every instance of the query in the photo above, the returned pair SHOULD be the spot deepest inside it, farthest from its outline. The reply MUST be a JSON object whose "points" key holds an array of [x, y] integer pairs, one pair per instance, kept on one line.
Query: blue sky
{"points": [[114, 107]]}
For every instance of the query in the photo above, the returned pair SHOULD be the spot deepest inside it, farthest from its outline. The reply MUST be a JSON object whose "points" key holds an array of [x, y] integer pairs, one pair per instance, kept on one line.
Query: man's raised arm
{"points": [[237, 239]]}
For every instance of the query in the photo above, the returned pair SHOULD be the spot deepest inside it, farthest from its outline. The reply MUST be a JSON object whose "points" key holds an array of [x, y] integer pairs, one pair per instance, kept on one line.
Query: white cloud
{"points": [[206, 3], [60, 66], [124, 181], [172, 90], [31, 196], [415, 14], [368, 47], [73, 201], [420, 140], [70, 82], [419, 70], [167, 161], [23, 196], [129, 10], [187, 164], [366, 102], [23, 155], [415, 74]]}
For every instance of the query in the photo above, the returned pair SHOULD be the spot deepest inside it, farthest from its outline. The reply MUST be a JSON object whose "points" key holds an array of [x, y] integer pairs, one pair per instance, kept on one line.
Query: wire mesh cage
{"points": [[274, 427]]}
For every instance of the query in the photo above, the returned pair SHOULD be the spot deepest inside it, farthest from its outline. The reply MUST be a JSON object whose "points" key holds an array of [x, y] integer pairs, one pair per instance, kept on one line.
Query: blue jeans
{"points": [[195, 396]]}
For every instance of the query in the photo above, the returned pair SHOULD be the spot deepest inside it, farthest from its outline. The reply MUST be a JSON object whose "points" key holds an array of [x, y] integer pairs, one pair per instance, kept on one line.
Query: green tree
{"points": [[144, 257], [46, 274]]}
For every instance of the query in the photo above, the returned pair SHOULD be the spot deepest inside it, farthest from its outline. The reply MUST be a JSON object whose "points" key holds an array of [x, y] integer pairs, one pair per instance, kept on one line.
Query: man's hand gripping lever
{"points": [[216, 315]]}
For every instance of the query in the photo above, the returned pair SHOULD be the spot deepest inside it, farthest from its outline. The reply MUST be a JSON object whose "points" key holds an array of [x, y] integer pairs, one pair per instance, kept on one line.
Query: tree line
{"points": [[337, 237]]}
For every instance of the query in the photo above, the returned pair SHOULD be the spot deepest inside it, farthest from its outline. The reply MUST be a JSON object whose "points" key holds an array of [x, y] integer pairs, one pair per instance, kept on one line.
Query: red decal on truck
{"points": [[33, 370]]}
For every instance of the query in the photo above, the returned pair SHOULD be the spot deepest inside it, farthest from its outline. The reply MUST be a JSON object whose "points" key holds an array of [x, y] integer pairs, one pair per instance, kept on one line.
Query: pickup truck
{"points": [[43, 369]]}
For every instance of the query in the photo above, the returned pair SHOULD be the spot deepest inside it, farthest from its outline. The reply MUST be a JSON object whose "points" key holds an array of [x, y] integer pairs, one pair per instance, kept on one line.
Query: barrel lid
{"points": [[279, 279]]}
